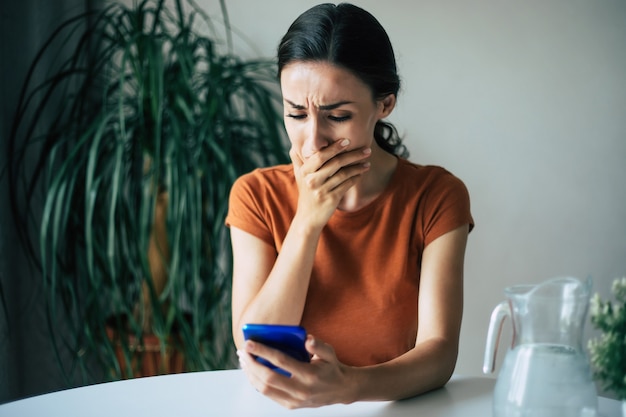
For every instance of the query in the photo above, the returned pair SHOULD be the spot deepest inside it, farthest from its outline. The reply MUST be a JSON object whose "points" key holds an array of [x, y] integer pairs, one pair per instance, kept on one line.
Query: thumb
{"points": [[295, 158], [320, 350]]}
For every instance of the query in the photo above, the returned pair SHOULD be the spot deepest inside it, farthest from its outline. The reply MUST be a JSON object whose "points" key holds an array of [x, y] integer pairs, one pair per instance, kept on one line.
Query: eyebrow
{"points": [[322, 107]]}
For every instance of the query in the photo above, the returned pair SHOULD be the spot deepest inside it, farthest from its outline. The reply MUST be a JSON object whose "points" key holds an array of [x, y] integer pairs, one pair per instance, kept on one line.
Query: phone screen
{"points": [[287, 339]]}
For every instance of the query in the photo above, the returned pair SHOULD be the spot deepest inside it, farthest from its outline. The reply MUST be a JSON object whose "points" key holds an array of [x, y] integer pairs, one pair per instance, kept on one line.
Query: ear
{"points": [[386, 106]]}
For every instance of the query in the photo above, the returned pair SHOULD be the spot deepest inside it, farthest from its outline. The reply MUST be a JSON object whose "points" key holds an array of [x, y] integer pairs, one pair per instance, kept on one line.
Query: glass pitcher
{"points": [[545, 373]]}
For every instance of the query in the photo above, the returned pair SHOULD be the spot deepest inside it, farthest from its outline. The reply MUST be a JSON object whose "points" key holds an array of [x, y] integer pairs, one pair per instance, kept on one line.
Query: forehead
{"points": [[321, 83]]}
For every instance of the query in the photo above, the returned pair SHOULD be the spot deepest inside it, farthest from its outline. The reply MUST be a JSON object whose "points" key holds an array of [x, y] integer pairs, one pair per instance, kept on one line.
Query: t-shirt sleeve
{"points": [[447, 208], [245, 208]]}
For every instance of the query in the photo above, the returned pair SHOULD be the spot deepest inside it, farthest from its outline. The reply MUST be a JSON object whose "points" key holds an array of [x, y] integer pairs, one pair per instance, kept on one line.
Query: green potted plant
{"points": [[608, 351], [122, 162]]}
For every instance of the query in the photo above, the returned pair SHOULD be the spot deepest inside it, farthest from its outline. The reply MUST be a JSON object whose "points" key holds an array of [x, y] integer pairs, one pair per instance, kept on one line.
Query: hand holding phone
{"points": [[288, 339]]}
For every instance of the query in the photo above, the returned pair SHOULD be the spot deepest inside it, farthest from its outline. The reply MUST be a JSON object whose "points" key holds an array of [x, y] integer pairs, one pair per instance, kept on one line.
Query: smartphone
{"points": [[287, 339]]}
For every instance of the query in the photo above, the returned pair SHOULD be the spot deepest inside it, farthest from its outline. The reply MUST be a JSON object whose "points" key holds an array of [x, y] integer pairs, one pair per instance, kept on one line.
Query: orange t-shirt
{"points": [[363, 291]]}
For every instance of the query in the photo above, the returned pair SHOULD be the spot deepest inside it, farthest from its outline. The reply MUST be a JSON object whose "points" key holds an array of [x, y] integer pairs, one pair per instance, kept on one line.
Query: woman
{"points": [[352, 241]]}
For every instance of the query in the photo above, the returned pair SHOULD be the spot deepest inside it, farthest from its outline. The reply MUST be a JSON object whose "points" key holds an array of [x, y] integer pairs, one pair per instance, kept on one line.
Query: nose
{"points": [[318, 138]]}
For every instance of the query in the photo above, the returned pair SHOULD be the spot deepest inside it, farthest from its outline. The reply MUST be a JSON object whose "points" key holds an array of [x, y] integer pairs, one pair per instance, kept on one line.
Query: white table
{"points": [[228, 393]]}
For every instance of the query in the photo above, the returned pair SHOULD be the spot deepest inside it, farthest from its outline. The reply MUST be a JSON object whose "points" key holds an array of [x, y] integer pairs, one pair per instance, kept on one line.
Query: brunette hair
{"points": [[348, 37]]}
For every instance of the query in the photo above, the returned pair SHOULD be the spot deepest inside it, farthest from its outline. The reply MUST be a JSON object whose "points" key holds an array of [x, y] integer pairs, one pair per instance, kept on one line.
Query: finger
{"points": [[346, 177], [295, 159], [339, 169], [321, 157], [336, 148], [259, 375], [268, 382], [346, 159], [320, 350], [276, 357], [294, 156]]}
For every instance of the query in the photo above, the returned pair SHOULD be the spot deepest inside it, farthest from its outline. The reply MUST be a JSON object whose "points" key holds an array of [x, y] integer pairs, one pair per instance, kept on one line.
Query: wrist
{"points": [[353, 383], [304, 228]]}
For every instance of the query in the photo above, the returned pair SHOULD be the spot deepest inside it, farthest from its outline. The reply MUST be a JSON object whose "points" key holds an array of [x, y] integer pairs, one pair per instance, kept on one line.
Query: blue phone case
{"points": [[287, 339]]}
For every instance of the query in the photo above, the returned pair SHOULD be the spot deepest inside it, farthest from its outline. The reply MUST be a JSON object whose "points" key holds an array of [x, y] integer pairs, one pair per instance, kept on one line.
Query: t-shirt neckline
{"points": [[391, 185]]}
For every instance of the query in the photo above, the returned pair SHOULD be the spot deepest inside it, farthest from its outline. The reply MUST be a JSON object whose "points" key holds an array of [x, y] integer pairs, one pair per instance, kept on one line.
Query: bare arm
{"points": [[270, 288], [266, 288], [427, 366], [430, 364]]}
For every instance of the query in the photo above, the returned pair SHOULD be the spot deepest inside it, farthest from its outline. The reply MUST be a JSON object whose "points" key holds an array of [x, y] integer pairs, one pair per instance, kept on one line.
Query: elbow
{"points": [[446, 363], [440, 379], [237, 336], [444, 377], [448, 366]]}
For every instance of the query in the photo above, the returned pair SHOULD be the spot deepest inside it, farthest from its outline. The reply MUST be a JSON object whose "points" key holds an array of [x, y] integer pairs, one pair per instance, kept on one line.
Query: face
{"points": [[324, 103]]}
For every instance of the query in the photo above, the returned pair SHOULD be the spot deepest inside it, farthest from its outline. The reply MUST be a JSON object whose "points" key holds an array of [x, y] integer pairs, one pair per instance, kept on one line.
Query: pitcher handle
{"points": [[496, 321]]}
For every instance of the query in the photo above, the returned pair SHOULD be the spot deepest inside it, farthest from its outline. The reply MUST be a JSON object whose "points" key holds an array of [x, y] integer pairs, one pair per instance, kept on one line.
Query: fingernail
{"points": [[345, 143], [366, 165], [367, 151]]}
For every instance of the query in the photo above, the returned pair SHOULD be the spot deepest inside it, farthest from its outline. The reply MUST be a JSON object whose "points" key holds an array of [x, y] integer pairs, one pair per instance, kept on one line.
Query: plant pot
{"points": [[147, 358]]}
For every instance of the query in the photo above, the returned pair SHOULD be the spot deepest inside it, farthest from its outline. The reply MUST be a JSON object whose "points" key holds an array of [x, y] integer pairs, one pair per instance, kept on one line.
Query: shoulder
{"points": [[261, 196], [270, 175], [278, 178], [263, 189], [428, 178], [440, 197]]}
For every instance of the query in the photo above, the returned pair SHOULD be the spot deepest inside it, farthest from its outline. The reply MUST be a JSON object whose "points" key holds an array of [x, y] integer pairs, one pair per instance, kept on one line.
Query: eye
{"points": [[339, 119], [297, 116]]}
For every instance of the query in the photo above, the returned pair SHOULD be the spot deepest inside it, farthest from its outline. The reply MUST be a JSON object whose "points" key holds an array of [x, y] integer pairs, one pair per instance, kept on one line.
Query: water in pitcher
{"points": [[545, 380]]}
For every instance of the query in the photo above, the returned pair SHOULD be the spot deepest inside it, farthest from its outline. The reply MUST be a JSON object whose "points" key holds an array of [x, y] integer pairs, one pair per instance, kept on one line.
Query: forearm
{"points": [[282, 296], [426, 367], [431, 362]]}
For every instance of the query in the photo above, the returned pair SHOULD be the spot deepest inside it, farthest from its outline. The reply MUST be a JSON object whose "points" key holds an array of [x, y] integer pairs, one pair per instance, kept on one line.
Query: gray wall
{"points": [[525, 101], [27, 361]]}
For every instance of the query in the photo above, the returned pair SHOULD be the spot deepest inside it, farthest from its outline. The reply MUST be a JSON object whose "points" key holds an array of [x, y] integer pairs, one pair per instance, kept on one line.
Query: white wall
{"points": [[526, 102]]}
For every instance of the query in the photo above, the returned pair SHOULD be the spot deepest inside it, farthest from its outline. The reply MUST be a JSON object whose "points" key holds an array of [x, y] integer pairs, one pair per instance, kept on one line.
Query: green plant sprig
{"points": [[608, 351], [145, 103]]}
